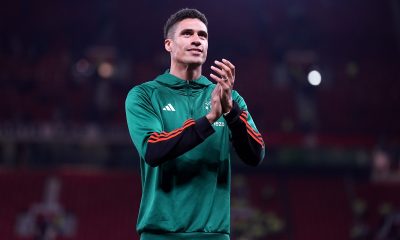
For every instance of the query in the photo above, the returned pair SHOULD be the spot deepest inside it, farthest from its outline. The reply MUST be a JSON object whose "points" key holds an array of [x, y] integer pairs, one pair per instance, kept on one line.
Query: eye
{"points": [[203, 35], [186, 33]]}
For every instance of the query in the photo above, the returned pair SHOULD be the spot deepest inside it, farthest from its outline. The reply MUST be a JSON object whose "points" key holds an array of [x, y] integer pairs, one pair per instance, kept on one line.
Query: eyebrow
{"points": [[201, 32]]}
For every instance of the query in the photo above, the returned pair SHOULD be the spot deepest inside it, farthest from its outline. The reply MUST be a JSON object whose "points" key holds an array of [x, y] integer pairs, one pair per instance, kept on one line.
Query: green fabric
{"points": [[192, 192], [184, 236]]}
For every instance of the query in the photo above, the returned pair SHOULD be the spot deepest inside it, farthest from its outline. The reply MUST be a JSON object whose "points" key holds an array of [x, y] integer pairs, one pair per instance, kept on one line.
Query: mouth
{"points": [[196, 50]]}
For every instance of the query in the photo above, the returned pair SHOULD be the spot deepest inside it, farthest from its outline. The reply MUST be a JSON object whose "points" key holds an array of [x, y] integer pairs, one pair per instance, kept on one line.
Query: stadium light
{"points": [[314, 78]]}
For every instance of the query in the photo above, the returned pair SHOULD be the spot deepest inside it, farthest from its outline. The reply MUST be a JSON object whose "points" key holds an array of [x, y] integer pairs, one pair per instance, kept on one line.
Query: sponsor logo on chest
{"points": [[219, 124]]}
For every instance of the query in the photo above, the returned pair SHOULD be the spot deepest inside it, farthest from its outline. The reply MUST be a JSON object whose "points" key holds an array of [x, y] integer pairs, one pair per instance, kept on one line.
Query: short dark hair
{"points": [[181, 15]]}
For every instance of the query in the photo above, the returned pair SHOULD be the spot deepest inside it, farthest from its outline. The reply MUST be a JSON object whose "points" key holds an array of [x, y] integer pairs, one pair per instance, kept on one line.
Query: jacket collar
{"points": [[175, 82]]}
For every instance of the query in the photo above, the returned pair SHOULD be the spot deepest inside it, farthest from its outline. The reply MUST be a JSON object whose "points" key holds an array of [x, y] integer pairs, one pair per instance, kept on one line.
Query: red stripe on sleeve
{"points": [[249, 128], [157, 137], [256, 136]]}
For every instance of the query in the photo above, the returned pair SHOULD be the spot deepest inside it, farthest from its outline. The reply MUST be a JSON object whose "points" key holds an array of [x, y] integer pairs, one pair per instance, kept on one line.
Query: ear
{"points": [[168, 44]]}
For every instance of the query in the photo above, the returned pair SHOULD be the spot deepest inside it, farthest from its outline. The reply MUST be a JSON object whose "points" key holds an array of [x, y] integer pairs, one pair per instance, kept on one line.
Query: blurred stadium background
{"points": [[68, 169]]}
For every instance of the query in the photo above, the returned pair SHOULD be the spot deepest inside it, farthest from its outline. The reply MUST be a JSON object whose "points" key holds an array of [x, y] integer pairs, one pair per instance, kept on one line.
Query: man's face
{"points": [[188, 42]]}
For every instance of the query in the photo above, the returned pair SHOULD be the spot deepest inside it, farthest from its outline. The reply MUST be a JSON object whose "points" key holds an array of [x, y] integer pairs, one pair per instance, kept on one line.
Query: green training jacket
{"points": [[184, 160]]}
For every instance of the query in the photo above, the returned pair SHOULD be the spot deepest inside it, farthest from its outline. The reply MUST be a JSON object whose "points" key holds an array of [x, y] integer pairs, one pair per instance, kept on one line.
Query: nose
{"points": [[196, 43], [196, 40]]}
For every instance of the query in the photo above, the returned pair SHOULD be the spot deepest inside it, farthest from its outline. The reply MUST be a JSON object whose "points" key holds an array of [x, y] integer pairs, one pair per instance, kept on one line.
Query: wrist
{"points": [[211, 118], [229, 108], [233, 114]]}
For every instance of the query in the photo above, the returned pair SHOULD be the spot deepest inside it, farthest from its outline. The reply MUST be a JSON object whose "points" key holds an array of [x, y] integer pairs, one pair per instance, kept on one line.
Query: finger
{"points": [[216, 78], [231, 66], [216, 89], [219, 80], [224, 84], [223, 75], [224, 91], [227, 71], [224, 67], [218, 71], [216, 95]]}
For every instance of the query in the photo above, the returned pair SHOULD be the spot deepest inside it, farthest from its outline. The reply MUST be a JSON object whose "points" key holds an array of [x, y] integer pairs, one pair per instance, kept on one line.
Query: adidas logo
{"points": [[169, 108]]}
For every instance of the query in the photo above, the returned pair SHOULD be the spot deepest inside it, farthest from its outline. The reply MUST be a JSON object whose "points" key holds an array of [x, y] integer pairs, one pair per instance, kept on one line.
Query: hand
{"points": [[216, 109], [226, 71]]}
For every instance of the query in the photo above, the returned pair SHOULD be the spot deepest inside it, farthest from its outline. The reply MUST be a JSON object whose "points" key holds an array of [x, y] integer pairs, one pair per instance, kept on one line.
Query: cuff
{"points": [[234, 114], [203, 128]]}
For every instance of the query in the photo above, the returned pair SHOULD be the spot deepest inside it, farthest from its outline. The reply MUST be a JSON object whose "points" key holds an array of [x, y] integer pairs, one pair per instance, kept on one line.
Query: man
{"points": [[182, 124]]}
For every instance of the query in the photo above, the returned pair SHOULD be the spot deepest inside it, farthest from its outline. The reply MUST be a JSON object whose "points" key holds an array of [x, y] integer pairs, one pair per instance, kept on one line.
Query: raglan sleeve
{"points": [[245, 137], [153, 144]]}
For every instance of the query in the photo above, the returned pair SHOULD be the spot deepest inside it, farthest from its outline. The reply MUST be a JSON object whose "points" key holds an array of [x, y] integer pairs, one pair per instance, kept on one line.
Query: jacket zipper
{"points": [[189, 95]]}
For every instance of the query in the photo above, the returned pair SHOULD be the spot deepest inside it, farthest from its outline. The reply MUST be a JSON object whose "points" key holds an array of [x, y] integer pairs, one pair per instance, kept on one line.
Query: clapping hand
{"points": [[225, 78]]}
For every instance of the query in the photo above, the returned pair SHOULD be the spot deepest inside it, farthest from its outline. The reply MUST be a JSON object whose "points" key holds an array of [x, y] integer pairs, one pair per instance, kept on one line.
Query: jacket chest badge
{"points": [[207, 105]]}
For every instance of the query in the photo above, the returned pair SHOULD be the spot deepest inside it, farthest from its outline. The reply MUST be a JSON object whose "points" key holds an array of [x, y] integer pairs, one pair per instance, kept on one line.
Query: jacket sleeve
{"points": [[154, 145], [246, 139]]}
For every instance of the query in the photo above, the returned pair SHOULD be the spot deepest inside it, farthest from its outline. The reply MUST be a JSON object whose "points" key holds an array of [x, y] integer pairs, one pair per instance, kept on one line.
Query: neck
{"points": [[185, 71]]}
